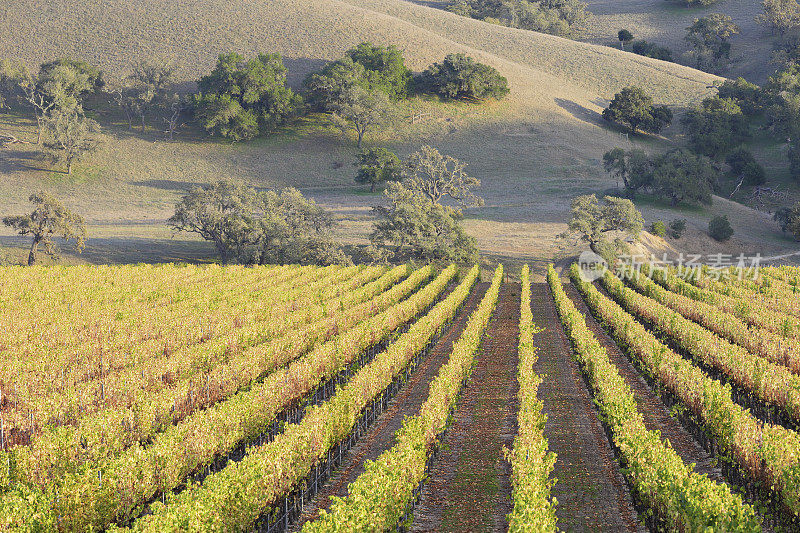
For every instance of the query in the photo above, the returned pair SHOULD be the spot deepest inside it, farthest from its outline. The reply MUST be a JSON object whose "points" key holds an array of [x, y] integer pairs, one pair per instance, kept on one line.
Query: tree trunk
{"points": [[372, 187], [38, 128], [142, 122], [32, 253], [69, 166], [360, 137]]}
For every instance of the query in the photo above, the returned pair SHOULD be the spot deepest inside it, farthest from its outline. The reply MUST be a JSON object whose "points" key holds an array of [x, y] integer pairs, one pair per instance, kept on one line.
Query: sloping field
{"points": [[533, 151], [307, 32]]}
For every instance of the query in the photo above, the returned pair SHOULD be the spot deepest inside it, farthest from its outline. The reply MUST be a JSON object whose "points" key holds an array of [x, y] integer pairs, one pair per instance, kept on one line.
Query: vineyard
{"points": [[382, 398]]}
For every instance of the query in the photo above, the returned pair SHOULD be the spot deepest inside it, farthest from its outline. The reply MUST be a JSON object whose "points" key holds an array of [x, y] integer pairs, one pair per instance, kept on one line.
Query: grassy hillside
{"points": [[533, 151], [665, 22]]}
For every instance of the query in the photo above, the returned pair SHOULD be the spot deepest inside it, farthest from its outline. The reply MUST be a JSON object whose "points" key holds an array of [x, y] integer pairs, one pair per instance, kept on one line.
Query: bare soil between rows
{"points": [[408, 401], [591, 492], [470, 484]]}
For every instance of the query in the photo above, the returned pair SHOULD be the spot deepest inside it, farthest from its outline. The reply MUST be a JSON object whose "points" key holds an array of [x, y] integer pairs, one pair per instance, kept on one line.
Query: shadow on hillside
{"points": [[113, 250], [169, 185], [580, 112], [15, 160]]}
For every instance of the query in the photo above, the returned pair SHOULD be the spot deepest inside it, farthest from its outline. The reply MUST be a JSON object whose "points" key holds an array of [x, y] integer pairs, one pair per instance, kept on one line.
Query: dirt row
{"points": [[470, 484], [407, 402], [592, 494]]}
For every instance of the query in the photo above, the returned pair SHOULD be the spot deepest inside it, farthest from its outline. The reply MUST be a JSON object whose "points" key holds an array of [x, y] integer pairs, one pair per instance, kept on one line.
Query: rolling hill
{"points": [[532, 151]]}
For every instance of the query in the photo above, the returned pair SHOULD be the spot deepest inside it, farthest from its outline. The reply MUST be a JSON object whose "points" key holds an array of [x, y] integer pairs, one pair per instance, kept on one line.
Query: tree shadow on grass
{"points": [[15, 160], [580, 112], [169, 185], [114, 251]]}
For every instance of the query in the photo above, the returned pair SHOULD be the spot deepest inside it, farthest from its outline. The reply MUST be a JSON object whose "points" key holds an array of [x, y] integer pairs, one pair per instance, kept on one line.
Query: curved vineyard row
{"points": [[681, 499], [235, 497], [766, 290], [773, 347], [765, 454], [148, 371], [753, 313], [142, 471], [63, 449], [380, 497], [773, 384]]}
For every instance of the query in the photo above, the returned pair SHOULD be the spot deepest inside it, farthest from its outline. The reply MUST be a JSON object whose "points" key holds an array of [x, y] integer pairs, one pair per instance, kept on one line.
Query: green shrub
{"points": [[659, 228], [624, 36], [744, 166], [719, 228], [644, 48], [676, 227], [460, 76], [747, 96]]}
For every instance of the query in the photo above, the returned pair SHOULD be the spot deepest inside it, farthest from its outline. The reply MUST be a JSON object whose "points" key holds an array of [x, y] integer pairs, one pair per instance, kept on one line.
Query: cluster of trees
{"points": [[715, 131], [240, 98], [147, 90], [782, 16], [566, 18], [633, 109], [420, 220], [694, 3], [680, 175], [709, 39], [55, 95], [642, 47]]}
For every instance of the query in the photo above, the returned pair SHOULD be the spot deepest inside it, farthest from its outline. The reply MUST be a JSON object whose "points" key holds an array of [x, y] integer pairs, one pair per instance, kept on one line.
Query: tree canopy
{"points": [[367, 66], [781, 15], [624, 36], [376, 166], [421, 228], [592, 222], [360, 110], [719, 228], [249, 226], [634, 167], [461, 77], [716, 127], [241, 98], [709, 38], [680, 175], [633, 109], [384, 68], [744, 167], [49, 218], [437, 177]]}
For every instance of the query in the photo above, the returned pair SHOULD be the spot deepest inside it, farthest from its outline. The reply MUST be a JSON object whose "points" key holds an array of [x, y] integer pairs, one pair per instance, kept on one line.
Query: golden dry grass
{"points": [[533, 151]]}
